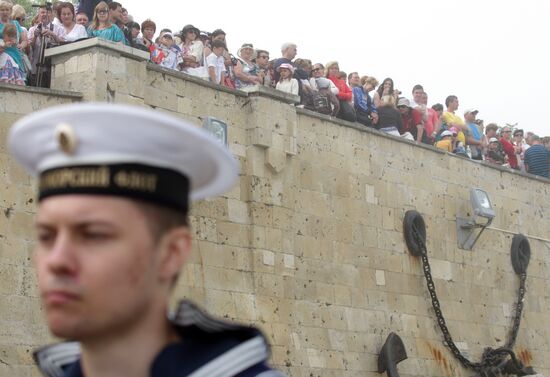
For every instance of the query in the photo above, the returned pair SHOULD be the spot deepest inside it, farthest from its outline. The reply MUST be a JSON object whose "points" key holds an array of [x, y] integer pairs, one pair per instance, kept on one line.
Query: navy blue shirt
{"points": [[537, 159]]}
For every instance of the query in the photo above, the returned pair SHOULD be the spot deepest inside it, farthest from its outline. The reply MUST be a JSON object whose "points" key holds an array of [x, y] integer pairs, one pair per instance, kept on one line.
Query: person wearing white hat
{"points": [[114, 186], [446, 141]]}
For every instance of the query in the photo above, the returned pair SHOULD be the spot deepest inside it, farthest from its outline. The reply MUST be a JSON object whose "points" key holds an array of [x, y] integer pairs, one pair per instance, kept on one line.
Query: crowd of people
{"points": [[321, 88]]}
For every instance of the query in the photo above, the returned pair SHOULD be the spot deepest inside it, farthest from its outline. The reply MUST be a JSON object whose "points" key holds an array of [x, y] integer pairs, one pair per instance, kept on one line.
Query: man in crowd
{"points": [[508, 147], [117, 17], [452, 120], [431, 123], [262, 61], [112, 237], [475, 139], [354, 80], [289, 51], [40, 36], [417, 91], [537, 158], [82, 18]]}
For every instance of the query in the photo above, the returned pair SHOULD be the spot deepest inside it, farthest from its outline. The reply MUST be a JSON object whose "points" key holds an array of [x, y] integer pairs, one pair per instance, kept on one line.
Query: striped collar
{"points": [[191, 322]]}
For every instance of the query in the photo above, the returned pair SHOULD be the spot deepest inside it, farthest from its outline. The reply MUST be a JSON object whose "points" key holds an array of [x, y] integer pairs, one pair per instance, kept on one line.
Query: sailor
{"points": [[114, 184]]}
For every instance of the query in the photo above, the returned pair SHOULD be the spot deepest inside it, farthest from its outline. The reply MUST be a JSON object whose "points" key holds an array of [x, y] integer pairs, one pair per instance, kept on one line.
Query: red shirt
{"points": [[345, 91], [430, 122], [410, 121], [510, 152]]}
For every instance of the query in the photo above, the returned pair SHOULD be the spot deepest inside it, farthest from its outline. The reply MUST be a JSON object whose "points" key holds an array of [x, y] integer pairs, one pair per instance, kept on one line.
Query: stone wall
{"points": [[309, 244]]}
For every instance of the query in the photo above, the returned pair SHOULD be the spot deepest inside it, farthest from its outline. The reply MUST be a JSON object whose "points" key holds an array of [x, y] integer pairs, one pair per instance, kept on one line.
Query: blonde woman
{"points": [[101, 26]]}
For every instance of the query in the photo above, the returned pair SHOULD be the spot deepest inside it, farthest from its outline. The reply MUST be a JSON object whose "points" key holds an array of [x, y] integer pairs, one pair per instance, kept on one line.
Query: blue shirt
{"points": [[537, 159], [112, 33], [362, 100]]}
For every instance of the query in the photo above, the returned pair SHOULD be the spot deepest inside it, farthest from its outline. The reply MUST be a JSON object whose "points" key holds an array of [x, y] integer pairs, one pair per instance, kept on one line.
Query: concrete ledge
{"points": [[126, 51], [264, 91], [43, 91], [360, 127], [196, 80]]}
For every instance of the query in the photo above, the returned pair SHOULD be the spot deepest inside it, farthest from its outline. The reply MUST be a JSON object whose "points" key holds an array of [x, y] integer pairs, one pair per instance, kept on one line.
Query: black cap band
{"points": [[161, 186]]}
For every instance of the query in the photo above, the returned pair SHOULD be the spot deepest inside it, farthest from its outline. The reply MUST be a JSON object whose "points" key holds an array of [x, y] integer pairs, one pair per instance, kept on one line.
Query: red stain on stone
{"points": [[441, 360], [525, 357]]}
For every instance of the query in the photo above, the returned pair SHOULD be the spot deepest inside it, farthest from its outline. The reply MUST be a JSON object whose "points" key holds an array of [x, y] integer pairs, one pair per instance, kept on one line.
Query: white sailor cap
{"points": [[107, 149]]}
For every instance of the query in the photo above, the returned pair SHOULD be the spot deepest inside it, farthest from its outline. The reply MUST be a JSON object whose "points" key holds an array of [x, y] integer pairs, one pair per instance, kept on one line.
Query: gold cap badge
{"points": [[66, 138]]}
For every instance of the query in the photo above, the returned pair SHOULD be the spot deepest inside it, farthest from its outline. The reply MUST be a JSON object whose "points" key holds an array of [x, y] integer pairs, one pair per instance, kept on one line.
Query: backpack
{"points": [[321, 103]]}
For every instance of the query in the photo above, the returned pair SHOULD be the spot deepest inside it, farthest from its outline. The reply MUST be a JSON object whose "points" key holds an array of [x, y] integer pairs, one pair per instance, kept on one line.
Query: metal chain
{"points": [[491, 357]]}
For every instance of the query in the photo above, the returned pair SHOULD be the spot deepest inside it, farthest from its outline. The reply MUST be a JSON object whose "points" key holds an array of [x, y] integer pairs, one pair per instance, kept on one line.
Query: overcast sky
{"points": [[494, 55]]}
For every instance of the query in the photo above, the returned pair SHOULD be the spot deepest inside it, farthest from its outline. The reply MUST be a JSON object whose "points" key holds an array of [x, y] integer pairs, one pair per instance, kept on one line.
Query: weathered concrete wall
{"points": [[309, 245]]}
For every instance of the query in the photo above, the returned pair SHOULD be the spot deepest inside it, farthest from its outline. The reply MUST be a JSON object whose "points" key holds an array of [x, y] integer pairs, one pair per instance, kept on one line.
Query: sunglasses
{"points": [[315, 69], [506, 132], [102, 11]]}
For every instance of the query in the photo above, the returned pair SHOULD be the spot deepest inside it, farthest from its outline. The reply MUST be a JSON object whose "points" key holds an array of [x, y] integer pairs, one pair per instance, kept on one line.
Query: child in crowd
{"points": [[11, 64], [494, 152], [286, 82], [446, 142], [169, 50], [216, 63]]}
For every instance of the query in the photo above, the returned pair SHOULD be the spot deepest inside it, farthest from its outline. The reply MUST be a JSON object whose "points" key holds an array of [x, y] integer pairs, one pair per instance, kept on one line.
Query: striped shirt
{"points": [[537, 159]]}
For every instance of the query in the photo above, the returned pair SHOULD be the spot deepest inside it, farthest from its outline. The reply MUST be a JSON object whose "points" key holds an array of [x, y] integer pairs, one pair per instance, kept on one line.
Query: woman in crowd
{"points": [[389, 118], [385, 89], [286, 82], [15, 41], [520, 147], [332, 72], [18, 14], [245, 69], [73, 31], [148, 29], [102, 28], [191, 47]]}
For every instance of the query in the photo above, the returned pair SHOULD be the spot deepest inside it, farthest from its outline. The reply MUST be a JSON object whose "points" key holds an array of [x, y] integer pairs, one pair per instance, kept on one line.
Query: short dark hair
{"points": [[450, 99], [437, 107], [217, 43], [114, 5], [217, 32], [161, 219], [133, 25], [351, 74], [417, 87], [259, 52]]}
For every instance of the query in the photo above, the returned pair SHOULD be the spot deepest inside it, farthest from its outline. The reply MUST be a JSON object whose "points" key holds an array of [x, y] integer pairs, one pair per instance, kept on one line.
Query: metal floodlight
{"points": [[465, 226], [216, 127]]}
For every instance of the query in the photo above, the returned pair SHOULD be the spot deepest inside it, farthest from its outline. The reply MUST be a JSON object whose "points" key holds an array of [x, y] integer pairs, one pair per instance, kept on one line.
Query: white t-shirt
{"points": [[289, 86], [78, 32], [218, 63]]}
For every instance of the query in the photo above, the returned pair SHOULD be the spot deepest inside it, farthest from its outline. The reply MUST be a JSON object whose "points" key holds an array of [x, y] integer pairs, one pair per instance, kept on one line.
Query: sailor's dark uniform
{"points": [[209, 347]]}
